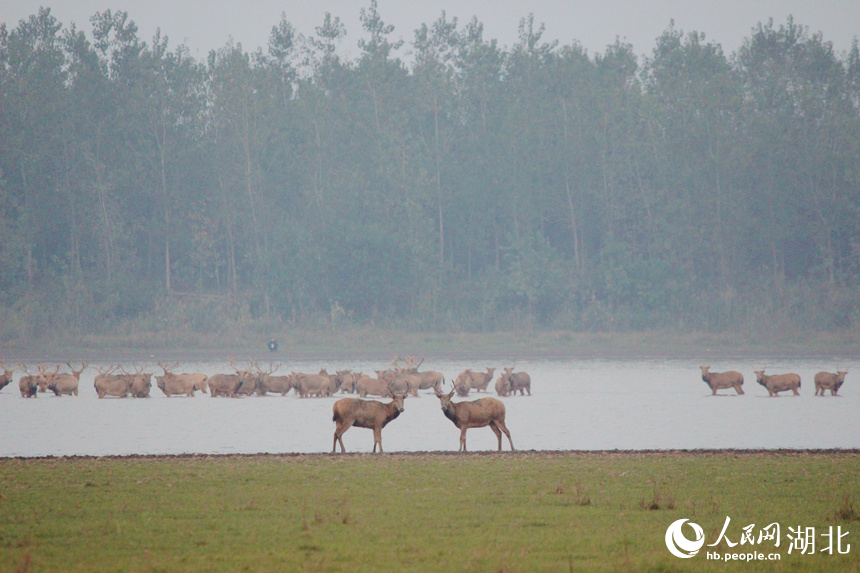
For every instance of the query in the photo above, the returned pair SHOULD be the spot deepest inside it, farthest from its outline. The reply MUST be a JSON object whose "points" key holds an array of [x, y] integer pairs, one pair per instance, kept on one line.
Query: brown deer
{"points": [[480, 380], [349, 412], [477, 414], [28, 384], [776, 383], [6, 377], [462, 383], [427, 379], [722, 380], [181, 384], [829, 381], [62, 383]]}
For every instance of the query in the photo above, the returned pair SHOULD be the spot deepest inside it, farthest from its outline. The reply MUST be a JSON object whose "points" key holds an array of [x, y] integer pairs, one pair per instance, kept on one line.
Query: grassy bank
{"points": [[250, 341], [427, 512]]}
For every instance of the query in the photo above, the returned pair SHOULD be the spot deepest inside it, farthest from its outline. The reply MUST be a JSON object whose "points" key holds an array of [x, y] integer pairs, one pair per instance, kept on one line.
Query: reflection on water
{"points": [[576, 404]]}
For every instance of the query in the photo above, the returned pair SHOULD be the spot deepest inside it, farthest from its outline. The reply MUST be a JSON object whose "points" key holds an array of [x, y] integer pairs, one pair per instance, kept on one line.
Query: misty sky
{"points": [[207, 24]]}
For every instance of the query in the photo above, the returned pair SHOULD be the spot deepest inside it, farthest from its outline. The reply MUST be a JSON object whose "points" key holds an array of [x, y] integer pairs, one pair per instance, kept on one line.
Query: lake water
{"points": [[577, 404]]}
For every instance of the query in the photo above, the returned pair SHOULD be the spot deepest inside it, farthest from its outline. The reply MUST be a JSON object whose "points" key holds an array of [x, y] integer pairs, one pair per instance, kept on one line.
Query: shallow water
{"points": [[576, 404]]}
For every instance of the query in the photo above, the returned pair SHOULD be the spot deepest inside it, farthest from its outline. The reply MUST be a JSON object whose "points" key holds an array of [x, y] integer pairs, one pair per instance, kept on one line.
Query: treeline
{"points": [[451, 183]]}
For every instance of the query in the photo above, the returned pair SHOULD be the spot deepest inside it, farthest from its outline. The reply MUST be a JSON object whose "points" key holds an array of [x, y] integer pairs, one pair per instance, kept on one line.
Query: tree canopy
{"points": [[448, 183]]}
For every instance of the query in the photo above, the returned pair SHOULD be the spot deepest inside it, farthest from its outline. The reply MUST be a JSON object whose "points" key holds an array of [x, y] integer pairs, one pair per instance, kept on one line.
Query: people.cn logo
{"points": [[679, 545]]}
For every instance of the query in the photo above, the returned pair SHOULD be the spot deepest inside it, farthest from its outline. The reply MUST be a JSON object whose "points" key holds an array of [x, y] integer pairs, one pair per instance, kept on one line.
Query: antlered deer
{"points": [[519, 381], [177, 384], [28, 384], [108, 384], [722, 380], [477, 414], [401, 381], [349, 412], [268, 382], [427, 379], [777, 383], [44, 377], [61, 383], [829, 381], [6, 377], [141, 384]]}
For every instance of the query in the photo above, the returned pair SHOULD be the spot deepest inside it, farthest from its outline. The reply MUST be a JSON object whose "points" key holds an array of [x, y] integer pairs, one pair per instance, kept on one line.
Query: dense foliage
{"points": [[447, 184]]}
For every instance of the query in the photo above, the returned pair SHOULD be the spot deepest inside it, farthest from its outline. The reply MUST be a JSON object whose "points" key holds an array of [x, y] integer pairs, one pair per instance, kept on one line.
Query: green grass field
{"points": [[603, 511]]}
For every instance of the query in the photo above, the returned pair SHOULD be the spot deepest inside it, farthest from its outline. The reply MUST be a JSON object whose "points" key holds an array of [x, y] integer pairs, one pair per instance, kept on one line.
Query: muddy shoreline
{"points": [[735, 452]]}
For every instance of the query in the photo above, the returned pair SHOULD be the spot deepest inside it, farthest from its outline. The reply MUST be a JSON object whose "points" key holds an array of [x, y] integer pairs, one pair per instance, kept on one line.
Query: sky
{"points": [[204, 25]]}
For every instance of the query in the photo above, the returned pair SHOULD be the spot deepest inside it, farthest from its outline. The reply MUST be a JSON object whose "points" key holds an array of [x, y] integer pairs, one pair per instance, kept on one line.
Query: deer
{"points": [[28, 384], [107, 383], [6, 377], [427, 379], [722, 380], [45, 376], [829, 381], [181, 384], [268, 382], [62, 383], [776, 383], [463, 383], [349, 412], [476, 414], [480, 380], [519, 381]]}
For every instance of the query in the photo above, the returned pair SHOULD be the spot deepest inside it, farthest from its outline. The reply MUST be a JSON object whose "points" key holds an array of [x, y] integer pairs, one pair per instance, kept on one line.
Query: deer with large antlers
{"points": [[349, 412], [61, 383], [477, 414], [28, 384], [45, 376], [426, 380], [180, 384], [107, 383], [269, 382]]}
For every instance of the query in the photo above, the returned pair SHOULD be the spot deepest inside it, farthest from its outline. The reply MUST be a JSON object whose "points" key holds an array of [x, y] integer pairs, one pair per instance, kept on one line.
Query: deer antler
{"points": [[167, 369]]}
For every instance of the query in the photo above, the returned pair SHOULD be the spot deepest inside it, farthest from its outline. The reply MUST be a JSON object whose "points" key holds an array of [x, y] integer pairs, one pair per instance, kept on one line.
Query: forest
{"points": [[444, 184]]}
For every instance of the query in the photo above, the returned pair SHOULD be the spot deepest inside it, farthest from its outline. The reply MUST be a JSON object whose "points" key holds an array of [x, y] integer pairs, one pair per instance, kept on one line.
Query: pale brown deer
{"points": [[349, 412], [476, 414], [777, 383], [722, 380], [829, 381]]}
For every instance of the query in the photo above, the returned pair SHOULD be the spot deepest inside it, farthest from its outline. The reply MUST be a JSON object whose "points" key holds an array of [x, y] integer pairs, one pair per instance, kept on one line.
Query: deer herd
{"points": [[773, 383], [398, 382]]}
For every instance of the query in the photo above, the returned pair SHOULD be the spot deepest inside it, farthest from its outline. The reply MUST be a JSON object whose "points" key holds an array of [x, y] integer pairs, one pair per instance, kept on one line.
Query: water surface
{"points": [[580, 404]]}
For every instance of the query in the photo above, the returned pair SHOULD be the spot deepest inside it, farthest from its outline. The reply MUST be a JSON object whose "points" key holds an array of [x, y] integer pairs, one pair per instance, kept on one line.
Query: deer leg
{"points": [[339, 431], [498, 433], [462, 439], [377, 439], [504, 428]]}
